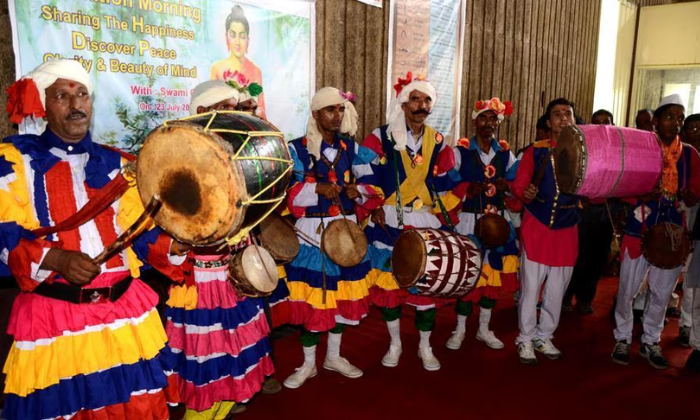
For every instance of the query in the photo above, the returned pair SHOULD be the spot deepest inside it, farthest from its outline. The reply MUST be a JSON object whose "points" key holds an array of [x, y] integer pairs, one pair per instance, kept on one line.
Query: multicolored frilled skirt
{"points": [[219, 338], [347, 289], [102, 361]]}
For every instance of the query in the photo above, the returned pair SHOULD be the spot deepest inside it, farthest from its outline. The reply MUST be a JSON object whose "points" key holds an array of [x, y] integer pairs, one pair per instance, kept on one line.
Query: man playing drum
{"points": [[680, 182], [219, 335], [486, 169], [689, 323], [415, 154], [332, 181], [89, 342], [549, 239]]}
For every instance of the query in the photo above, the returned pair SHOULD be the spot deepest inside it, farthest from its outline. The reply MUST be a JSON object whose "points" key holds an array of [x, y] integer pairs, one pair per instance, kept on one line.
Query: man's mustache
{"points": [[77, 113], [421, 112]]}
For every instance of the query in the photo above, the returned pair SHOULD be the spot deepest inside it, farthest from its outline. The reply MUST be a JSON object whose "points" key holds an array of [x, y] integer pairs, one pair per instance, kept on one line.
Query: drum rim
{"points": [[580, 138], [424, 260]]}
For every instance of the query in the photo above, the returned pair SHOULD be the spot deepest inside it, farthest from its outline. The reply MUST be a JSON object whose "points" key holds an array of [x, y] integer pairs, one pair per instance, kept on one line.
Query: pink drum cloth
{"points": [[620, 162]]}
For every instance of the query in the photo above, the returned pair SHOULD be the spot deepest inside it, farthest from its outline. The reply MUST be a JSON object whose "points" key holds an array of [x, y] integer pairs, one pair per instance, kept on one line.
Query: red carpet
{"points": [[478, 382]]}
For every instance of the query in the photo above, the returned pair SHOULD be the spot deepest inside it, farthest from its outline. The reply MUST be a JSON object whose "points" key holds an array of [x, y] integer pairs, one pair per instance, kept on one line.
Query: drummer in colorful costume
{"points": [[486, 169], [415, 154], [219, 335], [680, 182], [88, 340], [332, 179], [549, 239]]}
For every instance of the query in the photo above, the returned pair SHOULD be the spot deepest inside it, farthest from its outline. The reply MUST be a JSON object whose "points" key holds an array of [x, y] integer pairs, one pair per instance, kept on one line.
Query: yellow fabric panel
{"points": [[301, 291], [15, 204], [491, 277], [68, 356], [450, 201], [281, 271], [130, 209], [218, 411], [414, 184], [183, 297], [384, 279]]}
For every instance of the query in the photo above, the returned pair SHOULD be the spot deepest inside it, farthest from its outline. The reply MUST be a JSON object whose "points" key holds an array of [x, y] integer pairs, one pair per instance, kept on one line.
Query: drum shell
{"points": [[436, 263], [601, 161], [492, 230], [657, 246], [190, 165]]}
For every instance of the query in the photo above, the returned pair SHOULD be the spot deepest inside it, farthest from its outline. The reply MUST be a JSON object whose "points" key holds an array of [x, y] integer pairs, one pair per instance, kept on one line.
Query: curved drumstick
{"points": [[128, 236]]}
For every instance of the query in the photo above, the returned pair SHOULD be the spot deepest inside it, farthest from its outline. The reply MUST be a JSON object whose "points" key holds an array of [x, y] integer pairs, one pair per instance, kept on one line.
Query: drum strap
{"points": [[399, 206], [324, 286], [543, 165]]}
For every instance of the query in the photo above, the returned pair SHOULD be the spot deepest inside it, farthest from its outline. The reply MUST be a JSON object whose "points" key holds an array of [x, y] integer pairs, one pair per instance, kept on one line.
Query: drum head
{"points": [[568, 157], [344, 242], [278, 237], [493, 230], [191, 171], [260, 269], [666, 245], [408, 259]]}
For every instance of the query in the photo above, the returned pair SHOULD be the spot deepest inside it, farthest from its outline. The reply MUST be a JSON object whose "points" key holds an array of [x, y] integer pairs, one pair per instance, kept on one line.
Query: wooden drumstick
{"points": [[128, 236]]}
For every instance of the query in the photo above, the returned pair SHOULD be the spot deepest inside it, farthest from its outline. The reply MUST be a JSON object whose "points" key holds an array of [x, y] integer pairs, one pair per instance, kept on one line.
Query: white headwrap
{"points": [[329, 96], [46, 75], [396, 116], [672, 99], [212, 92]]}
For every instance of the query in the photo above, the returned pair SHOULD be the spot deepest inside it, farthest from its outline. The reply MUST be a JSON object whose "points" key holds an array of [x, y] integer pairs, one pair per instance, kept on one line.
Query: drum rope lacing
{"points": [[245, 231], [675, 235]]}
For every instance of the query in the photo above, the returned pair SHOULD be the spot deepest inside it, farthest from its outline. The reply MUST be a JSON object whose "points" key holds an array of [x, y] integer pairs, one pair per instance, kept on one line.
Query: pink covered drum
{"points": [[598, 161], [436, 263]]}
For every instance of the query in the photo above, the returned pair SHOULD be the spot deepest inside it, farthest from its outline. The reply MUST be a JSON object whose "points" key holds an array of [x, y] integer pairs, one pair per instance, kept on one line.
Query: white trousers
{"points": [[532, 275], [687, 304], [661, 284], [695, 328]]}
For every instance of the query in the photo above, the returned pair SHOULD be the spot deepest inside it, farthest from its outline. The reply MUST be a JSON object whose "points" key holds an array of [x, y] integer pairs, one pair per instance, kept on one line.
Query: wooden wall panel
{"points": [[527, 51]]}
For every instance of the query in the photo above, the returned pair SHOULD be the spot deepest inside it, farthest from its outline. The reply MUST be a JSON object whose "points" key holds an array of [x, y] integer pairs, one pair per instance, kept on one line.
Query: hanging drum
{"points": [[217, 175], [277, 236], [666, 245], [436, 263], [253, 272], [600, 161], [344, 242], [492, 230]]}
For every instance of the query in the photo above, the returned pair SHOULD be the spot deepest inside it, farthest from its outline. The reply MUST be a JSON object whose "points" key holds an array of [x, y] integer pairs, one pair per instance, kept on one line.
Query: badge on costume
{"points": [[438, 138]]}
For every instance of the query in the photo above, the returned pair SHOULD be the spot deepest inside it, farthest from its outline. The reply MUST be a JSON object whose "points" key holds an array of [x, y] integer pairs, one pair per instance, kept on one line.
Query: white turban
{"points": [[396, 116], [27, 96], [329, 96], [46, 75], [212, 92]]}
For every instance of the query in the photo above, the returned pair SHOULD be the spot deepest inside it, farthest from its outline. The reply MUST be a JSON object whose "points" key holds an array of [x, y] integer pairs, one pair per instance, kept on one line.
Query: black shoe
{"points": [[652, 352], [673, 313], [621, 353], [567, 307], [693, 362], [684, 336]]}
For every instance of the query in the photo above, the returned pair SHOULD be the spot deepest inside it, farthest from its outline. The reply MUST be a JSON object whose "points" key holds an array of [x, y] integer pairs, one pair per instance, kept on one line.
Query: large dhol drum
{"points": [[666, 245], [599, 161], [217, 175], [436, 263]]}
